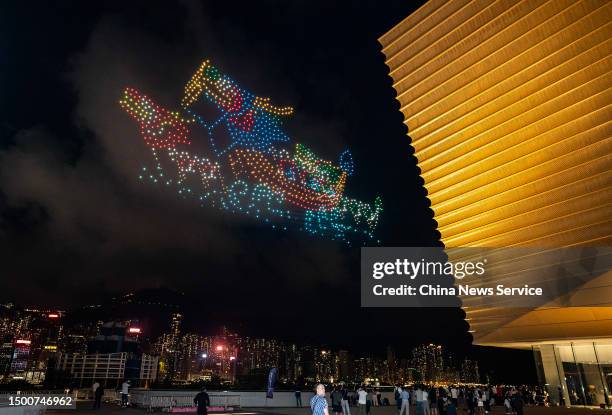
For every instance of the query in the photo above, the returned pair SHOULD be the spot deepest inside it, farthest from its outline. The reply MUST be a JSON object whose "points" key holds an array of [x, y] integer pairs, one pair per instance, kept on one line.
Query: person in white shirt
{"points": [[362, 400], [346, 408], [125, 387], [426, 403], [419, 400], [405, 401], [95, 386], [454, 395]]}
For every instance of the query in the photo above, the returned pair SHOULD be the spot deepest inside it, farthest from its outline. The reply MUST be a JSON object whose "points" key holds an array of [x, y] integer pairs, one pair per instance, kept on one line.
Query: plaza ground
{"points": [[85, 408]]}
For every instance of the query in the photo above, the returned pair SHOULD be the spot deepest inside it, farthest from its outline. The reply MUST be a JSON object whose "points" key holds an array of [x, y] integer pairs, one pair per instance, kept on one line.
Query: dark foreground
{"points": [[85, 408]]}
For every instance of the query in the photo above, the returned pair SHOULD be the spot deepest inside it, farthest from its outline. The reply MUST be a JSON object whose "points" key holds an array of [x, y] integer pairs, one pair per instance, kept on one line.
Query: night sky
{"points": [[77, 226]]}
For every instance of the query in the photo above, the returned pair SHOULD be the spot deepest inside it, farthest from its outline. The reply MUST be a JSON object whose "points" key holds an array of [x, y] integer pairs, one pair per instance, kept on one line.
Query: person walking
{"points": [[362, 400], [202, 401], [125, 389], [318, 403], [298, 397], [507, 405], [405, 402], [346, 408], [98, 394]]}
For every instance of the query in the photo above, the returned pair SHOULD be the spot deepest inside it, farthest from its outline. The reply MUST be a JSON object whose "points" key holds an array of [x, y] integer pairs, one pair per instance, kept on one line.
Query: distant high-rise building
{"points": [[6, 355], [114, 354], [428, 361], [114, 337], [327, 365], [175, 325], [168, 349], [20, 357], [110, 369], [345, 373], [469, 371], [391, 373]]}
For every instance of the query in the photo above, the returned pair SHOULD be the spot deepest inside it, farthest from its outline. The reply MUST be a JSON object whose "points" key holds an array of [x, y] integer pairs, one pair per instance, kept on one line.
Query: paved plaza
{"points": [[85, 408]]}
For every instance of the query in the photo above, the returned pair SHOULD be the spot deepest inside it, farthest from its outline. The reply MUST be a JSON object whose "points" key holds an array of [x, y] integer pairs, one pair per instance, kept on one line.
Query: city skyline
{"points": [[181, 353], [36, 346]]}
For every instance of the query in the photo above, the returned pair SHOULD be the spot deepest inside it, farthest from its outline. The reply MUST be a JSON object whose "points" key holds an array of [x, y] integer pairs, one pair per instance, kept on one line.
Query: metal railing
{"points": [[167, 401]]}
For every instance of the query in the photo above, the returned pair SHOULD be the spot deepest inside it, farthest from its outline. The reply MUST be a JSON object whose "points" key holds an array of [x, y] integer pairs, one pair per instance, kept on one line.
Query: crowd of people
{"points": [[421, 399]]}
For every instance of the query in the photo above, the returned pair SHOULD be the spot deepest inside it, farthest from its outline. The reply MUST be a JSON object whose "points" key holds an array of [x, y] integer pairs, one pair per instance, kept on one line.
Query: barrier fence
{"points": [[181, 401]]}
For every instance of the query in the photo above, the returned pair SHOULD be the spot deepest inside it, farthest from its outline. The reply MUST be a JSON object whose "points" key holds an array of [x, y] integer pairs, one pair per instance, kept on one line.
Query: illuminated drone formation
{"points": [[251, 174]]}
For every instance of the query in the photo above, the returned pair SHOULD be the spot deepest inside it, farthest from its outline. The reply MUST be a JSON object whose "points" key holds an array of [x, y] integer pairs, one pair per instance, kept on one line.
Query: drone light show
{"points": [[255, 171]]}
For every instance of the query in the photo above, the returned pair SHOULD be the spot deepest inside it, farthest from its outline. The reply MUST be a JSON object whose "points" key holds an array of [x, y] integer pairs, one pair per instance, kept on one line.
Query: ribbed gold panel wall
{"points": [[508, 106]]}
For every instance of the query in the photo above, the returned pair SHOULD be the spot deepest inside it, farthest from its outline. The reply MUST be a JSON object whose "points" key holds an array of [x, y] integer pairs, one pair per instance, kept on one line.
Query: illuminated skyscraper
{"points": [[469, 371], [428, 361], [345, 373], [507, 104], [175, 325], [20, 358]]}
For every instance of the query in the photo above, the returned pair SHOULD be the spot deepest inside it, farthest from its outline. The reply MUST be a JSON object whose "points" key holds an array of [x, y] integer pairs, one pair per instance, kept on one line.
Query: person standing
{"points": [[433, 401], [426, 402], [561, 396], [419, 400], [470, 401], [346, 408], [98, 397], [479, 402], [454, 395], [378, 398], [362, 400], [517, 403], [202, 401], [405, 399], [95, 386], [451, 409], [372, 398], [397, 394], [443, 401], [298, 397], [318, 403], [125, 389], [336, 400]]}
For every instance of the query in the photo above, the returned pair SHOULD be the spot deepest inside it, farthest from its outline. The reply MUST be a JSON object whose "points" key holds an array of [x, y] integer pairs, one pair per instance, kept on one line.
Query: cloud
{"points": [[103, 230]]}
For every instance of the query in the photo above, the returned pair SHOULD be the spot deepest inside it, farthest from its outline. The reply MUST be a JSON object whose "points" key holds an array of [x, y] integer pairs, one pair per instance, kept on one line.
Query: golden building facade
{"points": [[508, 107]]}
